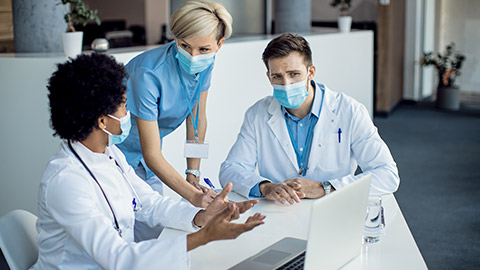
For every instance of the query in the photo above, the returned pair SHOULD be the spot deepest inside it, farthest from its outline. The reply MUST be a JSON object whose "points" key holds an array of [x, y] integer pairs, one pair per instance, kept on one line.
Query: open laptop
{"points": [[334, 238]]}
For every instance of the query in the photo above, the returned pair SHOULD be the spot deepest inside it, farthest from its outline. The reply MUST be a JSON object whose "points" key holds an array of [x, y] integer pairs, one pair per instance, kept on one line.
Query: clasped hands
{"points": [[292, 190]]}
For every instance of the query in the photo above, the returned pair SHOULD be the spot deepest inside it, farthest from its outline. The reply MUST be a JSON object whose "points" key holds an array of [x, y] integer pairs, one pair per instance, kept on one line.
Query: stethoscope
{"points": [[136, 206]]}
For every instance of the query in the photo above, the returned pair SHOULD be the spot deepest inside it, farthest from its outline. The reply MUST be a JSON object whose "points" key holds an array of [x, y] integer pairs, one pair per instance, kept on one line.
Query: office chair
{"points": [[18, 239]]}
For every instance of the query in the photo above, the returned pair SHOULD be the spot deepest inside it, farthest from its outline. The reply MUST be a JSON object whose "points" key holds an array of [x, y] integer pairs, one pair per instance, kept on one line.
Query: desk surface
{"points": [[396, 250]]}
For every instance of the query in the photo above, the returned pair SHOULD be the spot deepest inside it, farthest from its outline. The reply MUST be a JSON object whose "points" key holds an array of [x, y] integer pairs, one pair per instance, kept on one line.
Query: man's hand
{"points": [[280, 192], [219, 227], [219, 204], [310, 189]]}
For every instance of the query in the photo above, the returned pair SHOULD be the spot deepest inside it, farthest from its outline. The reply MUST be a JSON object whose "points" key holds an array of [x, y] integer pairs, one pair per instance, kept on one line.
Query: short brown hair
{"points": [[285, 44]]}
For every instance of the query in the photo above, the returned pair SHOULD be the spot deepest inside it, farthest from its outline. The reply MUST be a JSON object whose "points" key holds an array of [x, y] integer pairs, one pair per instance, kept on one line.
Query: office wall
{"points": [[362, 10], [26, 140], [239, 80], [460, 23], [133, 12]]}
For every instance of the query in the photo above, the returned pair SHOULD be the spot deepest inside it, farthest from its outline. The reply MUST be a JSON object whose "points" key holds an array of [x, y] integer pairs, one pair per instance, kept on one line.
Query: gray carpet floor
{"points": [[438, 156]]}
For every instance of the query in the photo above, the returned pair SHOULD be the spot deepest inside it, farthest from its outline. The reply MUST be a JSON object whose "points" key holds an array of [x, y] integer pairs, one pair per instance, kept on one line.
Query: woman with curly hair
{"points": [[169, 84], [90, 198]]}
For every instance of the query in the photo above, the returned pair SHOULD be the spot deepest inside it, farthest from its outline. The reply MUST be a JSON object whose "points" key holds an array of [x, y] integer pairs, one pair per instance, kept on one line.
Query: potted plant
{"points": [[78, 13], [448, 65], [345, 20]]}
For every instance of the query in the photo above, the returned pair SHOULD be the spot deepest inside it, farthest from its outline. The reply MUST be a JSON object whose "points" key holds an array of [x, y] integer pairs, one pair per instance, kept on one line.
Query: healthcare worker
{"points": [[169, 84], [89, 196], [306, 140]]}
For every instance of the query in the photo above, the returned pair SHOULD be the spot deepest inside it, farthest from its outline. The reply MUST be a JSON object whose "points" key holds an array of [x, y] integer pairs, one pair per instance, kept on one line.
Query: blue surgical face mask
{"points": [[125, 126], [194, 64], [292, 95]]}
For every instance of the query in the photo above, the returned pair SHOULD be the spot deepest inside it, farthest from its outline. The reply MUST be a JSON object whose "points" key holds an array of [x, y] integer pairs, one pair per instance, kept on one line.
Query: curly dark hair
{"points": [[82, 90]]}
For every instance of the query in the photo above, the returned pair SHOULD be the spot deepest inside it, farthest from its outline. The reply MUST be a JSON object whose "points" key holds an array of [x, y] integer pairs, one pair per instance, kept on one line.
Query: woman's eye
{"points": [[185, 46], [204, 49]]}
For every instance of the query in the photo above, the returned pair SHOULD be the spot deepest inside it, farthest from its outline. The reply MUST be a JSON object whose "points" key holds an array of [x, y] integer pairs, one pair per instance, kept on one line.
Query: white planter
{"points": [[72, 43], [344, 24]]}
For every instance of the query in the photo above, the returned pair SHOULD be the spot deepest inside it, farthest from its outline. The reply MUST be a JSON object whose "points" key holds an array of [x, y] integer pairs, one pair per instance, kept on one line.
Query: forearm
{"points": [[170, 176], [194, 163], [196, 239]]}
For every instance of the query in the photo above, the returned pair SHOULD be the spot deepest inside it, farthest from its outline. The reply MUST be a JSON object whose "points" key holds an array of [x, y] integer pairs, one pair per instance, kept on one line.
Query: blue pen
{"points": [[339, 135], [209, 183]]}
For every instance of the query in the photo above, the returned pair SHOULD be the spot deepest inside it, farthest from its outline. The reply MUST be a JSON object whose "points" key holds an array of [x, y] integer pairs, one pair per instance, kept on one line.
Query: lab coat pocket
{"points": [[335, 155]]}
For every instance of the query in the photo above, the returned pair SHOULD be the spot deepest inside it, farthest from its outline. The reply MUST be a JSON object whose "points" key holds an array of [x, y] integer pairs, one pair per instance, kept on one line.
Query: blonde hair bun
{"points": [[201, 19]]}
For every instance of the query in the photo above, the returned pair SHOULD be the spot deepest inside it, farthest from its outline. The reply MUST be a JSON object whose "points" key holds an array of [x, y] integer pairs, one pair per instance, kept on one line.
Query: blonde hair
{"points": [[201, 19]]}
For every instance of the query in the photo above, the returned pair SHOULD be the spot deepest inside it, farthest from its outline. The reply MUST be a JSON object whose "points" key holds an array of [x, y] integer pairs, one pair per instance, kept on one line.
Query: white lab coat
{"points": [[264, 142], [75, 224]]}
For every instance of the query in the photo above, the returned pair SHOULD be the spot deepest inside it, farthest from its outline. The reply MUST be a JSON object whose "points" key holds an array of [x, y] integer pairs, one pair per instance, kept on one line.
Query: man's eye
{"points": [[204, 50]]}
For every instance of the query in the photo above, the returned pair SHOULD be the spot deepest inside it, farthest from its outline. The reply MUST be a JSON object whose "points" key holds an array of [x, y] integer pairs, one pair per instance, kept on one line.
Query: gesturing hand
{"points": [[220, 227], [220, 203]]}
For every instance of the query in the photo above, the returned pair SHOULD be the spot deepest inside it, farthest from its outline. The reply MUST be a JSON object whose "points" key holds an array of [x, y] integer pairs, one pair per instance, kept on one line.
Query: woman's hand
{"points": [[219, 204], [220, 227], [195, 181], [200, 199]]}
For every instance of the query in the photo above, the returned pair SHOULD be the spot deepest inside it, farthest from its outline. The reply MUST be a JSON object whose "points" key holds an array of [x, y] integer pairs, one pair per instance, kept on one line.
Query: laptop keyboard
{"points": [[295, 263]]}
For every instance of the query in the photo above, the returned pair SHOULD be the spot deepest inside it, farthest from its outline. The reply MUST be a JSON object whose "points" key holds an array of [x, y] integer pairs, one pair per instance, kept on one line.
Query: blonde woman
{"points": [[169, 84]]}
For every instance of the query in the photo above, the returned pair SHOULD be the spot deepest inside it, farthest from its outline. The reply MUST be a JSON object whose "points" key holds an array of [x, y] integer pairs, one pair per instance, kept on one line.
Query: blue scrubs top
{"points": [[155, 93]]}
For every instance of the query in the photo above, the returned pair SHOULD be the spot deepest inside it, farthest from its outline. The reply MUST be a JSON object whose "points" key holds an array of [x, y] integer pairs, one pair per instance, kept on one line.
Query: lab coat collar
{"points": [[89, 157], [327, 119], [279, 128], [330, 100]]}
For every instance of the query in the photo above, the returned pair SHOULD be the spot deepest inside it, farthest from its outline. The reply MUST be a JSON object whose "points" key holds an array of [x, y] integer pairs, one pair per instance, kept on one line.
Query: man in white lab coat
{"points": [[306, 139]]}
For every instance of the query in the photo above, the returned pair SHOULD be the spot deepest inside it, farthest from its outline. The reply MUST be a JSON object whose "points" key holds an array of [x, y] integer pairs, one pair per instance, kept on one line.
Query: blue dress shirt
{"points": [[299, 129]]}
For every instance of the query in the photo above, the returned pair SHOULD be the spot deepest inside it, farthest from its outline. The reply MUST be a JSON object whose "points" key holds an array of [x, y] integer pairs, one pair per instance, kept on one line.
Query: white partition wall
{"points": [[344, 62]]}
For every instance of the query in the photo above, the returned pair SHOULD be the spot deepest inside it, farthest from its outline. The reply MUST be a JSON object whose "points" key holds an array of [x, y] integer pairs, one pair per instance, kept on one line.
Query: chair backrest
{"points": [[18, 239]]}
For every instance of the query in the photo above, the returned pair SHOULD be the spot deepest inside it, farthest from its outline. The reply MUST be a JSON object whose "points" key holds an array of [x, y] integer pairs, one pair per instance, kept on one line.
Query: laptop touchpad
{"points": [[272, 257]]}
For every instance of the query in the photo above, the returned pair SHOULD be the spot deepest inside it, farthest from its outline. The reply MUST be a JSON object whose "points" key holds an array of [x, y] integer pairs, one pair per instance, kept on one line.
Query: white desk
{"points": [[396, 250]]}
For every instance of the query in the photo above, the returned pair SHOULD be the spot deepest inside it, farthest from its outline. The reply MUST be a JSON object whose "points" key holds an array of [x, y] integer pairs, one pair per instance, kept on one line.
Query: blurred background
{"points": [[437, 149]]}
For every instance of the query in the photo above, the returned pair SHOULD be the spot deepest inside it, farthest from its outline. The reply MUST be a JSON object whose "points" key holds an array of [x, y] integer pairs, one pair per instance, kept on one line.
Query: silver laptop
{"points": [[334, 235]]}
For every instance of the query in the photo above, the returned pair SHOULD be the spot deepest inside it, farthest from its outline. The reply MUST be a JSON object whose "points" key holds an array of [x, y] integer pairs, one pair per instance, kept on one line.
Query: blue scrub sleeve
{"points": [[143, 94], [206, 80]]}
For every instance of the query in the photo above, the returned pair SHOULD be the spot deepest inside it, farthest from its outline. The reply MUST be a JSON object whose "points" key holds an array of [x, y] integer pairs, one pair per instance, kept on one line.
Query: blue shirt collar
{"points": [[317, 102]]}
